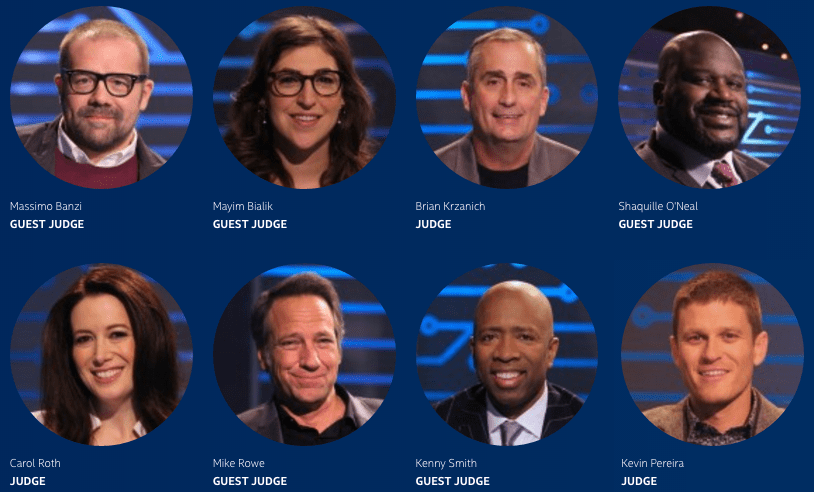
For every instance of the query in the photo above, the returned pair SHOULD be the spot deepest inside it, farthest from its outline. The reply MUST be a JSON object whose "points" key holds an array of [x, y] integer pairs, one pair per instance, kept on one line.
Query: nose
{"points": [[721, 89], [508, 97], [505, 350], [101, 352], [307, 97], [309, 357], [711, 351]]}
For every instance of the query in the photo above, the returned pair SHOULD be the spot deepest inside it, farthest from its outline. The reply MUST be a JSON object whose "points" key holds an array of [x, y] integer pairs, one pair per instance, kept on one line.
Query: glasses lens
{"points": [[119, 85], [327, 83], [82, 82], [288, 84]]}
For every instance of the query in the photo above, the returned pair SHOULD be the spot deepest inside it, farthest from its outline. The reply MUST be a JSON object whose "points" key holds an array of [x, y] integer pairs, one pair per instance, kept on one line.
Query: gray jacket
{"points": [[547, 158]]}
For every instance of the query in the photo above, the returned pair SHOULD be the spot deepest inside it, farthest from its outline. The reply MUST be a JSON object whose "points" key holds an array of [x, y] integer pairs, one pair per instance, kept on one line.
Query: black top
{"points": [[505, 180], [298, 435]]}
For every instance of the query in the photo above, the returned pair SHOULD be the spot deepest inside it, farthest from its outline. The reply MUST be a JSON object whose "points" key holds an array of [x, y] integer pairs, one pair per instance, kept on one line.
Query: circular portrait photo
{"points": [[101, 97], [101, 354], [712, 354], [709, 97], [506, 354], [304, 97], [506, 97], [304, 355]]}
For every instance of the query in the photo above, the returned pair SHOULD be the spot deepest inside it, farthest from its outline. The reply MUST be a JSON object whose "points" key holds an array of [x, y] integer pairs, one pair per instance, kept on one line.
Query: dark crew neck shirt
{"points": [[506, 180]]}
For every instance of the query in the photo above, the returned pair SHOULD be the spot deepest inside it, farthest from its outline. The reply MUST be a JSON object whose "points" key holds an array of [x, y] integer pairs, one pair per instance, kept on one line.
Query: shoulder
{"points": [[451, 153], [769, 412], [149, 160], [748, 165], [668, 418], [258, 416], [559, 396], [35, 133], [40, 416], [469, 401], [556, 149]]}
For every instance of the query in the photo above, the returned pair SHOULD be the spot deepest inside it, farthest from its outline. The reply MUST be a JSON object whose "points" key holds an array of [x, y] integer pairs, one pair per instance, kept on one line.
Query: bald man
{"points": [[702, 112], [513, 347]]}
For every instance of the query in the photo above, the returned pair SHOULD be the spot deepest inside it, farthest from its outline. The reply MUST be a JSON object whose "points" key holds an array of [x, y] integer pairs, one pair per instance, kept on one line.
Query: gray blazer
{"points": [[547, 158], [666, 164], [670, 418], [265, 421], [40, 141]]}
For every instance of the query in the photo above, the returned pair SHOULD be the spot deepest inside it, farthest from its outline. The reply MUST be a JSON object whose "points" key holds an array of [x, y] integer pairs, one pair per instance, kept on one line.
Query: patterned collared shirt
{"points": [[707, 435]]}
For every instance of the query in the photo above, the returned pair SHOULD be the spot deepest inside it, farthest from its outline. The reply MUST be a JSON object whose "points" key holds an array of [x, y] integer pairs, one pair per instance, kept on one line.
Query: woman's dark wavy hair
{"points": [[252, 142], [66, 401]]}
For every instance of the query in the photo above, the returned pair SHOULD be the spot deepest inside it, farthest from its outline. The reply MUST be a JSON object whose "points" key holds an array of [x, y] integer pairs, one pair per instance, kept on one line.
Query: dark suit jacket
{"points": [[667, 164], [466, 411], [41, 142], [670, 418], [547, 158], [265, 421]]}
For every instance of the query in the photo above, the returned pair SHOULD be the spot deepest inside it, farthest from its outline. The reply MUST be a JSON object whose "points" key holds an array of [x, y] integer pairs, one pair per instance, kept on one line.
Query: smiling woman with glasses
{"points": [[300, 118]]}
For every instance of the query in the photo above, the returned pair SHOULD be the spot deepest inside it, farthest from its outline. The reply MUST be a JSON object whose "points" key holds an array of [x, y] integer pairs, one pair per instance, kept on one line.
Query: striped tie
{"points": [[509, 430]]}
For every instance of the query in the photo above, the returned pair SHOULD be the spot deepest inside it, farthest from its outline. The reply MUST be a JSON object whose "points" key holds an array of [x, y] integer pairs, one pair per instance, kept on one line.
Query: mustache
{"points": [[729, 108], [103, 111]]}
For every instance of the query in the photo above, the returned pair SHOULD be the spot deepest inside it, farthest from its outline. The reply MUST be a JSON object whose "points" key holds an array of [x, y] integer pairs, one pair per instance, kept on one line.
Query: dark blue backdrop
{"points": [[365, 226]]}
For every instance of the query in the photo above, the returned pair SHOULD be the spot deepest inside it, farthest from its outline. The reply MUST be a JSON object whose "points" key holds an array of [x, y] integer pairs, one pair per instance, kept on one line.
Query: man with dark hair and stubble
{"points": [[513, 347], [505, 93], [297, 327], [718, 340], [702, 112], [103, 87]]}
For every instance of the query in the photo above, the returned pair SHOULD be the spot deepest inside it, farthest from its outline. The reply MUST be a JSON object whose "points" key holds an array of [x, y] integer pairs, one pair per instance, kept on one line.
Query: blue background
{"points": [[365, 226]]}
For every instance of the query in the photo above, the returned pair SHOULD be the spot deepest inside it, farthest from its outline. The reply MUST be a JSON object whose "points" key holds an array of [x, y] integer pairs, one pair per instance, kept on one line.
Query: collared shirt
{"points": [[532, 421], [697, 165], [299, 435], [74, 153], [707, 435], [95, 423]]}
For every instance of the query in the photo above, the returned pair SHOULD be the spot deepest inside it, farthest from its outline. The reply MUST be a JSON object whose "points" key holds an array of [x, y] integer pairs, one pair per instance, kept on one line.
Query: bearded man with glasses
{"points": [[103, 87]]}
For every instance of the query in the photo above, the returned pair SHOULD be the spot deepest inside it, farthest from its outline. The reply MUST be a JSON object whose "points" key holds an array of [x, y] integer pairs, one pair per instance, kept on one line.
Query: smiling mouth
{"points": [[108, 375], [713, 373], [507, 379], [726, 117]]}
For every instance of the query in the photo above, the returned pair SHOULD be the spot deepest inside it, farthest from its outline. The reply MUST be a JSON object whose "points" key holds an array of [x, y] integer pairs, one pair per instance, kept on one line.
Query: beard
{"points": [[693, 132], [97, 137]]}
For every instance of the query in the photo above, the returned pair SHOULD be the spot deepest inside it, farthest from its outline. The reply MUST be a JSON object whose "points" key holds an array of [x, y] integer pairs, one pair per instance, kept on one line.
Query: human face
{"points": [[507, 97], [104, 348], [513, 348], [703, 101], [303, 123], [304, 351], [99, 123], [716, 353]]}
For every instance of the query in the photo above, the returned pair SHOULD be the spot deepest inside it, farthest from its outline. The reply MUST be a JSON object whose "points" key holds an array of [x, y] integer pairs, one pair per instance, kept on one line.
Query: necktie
{"points": [[724, 175], [509, 430]]}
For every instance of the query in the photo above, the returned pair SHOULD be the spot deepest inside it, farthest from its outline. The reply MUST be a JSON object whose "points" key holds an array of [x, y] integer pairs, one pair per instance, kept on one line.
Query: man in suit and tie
{"points": [[702, 112], [513, 347]]}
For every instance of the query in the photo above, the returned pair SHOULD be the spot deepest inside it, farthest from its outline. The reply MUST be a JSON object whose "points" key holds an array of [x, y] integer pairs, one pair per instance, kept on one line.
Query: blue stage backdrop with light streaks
{"points": [[648, 367], [369, 61], [443, 355], [772, 89], [571, 81], [26, 340], [34, 97], [368, 349]]}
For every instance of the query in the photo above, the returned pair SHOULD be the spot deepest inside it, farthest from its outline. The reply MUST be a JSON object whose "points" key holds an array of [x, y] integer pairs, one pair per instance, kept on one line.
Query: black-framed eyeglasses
{"points": [[289, 83], [117, 84]]}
